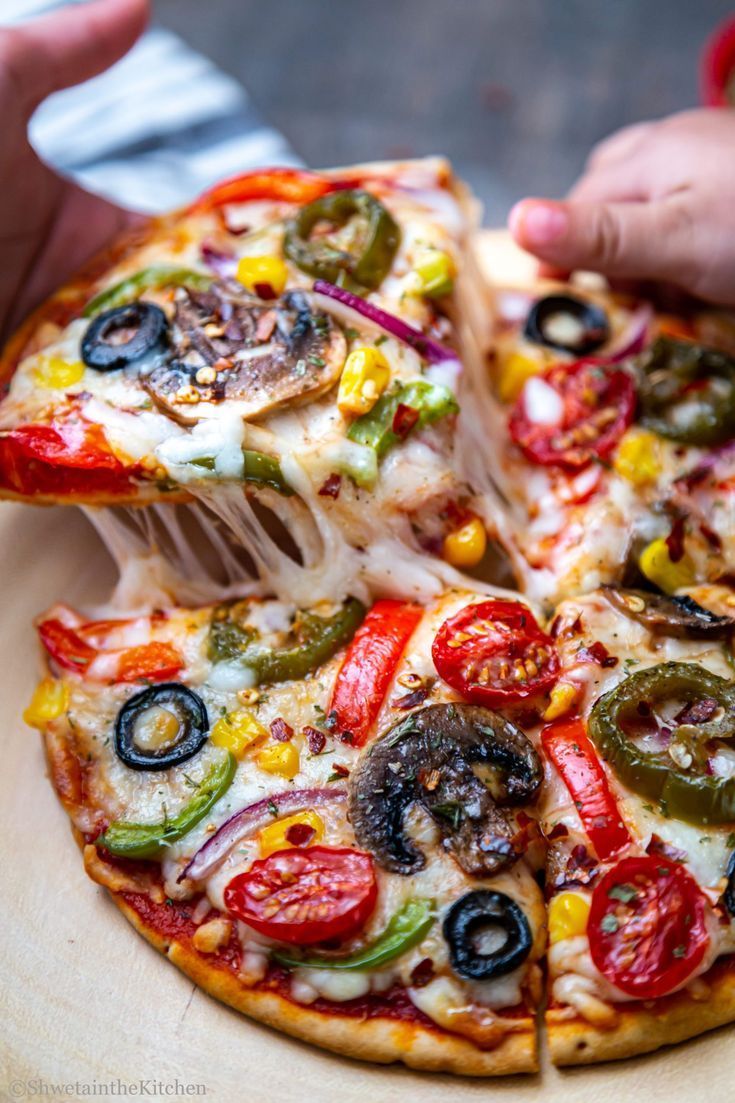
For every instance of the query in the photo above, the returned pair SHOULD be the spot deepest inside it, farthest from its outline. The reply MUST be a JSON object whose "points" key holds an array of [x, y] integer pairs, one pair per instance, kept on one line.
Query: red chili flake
{"points": [[330, 488], [300, 834], [404, 420], [455, 514], [526, 718], [698, 713], [280, 730], [528, 832], [340, 770], [422, 973], [558, 831], [569, 632], [597, 653], [580, 862], [316, 740], [675, 540], [410, 700], [666, 850], [429, 779], [264, 291]]}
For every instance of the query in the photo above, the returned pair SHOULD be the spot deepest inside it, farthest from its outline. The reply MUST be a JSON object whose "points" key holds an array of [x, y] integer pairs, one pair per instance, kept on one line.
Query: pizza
{"points": [[284, 352], [409, 727], [285, 802], [615, 425]]}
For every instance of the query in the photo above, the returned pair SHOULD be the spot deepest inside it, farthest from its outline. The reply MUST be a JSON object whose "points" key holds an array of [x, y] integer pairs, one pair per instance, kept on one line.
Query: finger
{"points": [[69, 46], [624, 182], [628, 240], [620, 145]]}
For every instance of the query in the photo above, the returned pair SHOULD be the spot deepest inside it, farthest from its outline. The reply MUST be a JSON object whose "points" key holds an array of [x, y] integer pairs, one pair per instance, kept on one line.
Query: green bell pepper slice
{"points": [[687, 392], [406, 929], [147, 279], [675, 773], [365, 259], [263, 470], [316, 639], [432, 401], [147, 840]]}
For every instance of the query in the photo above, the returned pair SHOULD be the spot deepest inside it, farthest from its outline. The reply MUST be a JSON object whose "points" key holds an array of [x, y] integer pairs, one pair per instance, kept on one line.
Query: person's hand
{"points": [[656, 203], [48, 225]]}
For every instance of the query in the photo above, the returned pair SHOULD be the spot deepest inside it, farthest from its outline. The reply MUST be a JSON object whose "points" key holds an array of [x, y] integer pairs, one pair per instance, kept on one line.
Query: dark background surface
{"points": [[515, 92]]}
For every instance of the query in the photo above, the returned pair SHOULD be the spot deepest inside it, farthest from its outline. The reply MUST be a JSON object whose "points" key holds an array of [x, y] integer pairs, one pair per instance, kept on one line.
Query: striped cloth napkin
{"points": [[156, 129]]}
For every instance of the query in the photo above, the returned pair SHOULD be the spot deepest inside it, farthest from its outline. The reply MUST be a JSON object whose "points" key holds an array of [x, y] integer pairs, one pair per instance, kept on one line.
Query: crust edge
{"points": [[642, 1029]]}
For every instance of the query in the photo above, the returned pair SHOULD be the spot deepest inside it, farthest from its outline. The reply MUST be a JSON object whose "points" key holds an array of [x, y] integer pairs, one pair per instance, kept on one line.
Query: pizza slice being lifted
{"points": [[288, 343]]}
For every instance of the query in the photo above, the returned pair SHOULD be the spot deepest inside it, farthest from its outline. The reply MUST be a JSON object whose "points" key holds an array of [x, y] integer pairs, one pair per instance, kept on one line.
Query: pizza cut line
{"points": [[364, 791]]}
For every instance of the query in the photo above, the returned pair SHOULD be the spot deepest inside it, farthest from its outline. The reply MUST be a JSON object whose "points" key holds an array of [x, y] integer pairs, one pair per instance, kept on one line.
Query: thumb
{"points": [[646, 240], [68, 46]]}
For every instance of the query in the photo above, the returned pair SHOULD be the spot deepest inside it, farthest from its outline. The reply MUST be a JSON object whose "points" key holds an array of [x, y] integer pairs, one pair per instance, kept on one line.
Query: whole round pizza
{"points": [[409, 727]]}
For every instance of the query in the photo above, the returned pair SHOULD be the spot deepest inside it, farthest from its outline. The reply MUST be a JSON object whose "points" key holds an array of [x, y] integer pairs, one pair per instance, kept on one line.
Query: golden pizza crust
{"points": [[641, 1028], [383, 1040]]}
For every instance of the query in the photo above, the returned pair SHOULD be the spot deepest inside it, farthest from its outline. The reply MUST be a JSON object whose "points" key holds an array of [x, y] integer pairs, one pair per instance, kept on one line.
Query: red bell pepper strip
{"points": [[567, 745], [368, 666], [289, 185], [156, 661], [61, 459]]}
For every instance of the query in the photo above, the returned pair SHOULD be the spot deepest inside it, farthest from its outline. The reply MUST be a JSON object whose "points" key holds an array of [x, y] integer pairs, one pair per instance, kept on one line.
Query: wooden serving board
{"points": [[84, 1001]]}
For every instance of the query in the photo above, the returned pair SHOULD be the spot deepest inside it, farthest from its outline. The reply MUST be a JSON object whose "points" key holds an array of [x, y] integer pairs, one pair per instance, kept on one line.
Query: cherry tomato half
{"points": [[589, 408], [494, 653], [647, 926], [305, 896]]}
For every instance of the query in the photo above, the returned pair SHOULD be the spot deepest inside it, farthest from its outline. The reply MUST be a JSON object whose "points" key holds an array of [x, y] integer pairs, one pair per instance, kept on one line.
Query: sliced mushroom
{"points": [[669, 616], [434, 758], [231, 345]]}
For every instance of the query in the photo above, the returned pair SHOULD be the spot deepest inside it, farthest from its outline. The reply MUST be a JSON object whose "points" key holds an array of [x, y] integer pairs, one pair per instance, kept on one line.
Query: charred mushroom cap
{"points": [[669, 616], [228, 344], [430, 759]]}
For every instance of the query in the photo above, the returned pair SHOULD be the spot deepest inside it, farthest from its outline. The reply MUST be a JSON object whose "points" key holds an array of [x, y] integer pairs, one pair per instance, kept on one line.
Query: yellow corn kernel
{"points": [[364, 378], [638, 457], [262, 272], [514, 370], [50, 700], [568, 914], [237, 732], [562, 697], [56, 373], [273, 837], [466, 546], [659, 568], [279, 758], [436, 271]]}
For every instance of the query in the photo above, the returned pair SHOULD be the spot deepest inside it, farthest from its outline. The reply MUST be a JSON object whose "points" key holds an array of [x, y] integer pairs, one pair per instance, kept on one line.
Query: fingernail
{"points": [[539, 223]]}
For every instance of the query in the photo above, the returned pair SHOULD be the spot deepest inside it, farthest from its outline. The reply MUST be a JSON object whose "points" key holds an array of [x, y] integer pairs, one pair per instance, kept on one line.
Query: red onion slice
{"points": [[633, 338], [249, 820], [352, 305]]}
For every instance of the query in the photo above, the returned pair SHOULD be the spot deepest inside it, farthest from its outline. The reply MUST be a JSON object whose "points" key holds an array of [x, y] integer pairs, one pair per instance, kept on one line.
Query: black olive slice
{"points": [[485, 912], [124, 335], [567, 323], [669, 616], [150, 713]]}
